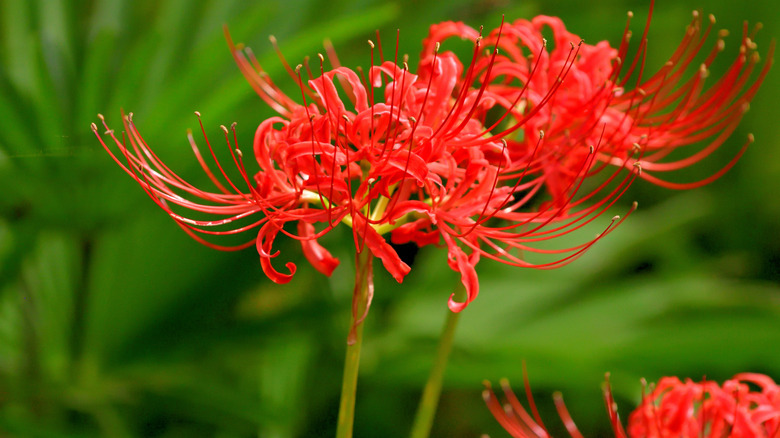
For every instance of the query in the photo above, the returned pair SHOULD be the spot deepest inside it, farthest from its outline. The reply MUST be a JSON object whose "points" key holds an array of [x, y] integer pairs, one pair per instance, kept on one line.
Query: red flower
{"points": [[705, 409], [672, 410], [405, 155], [603, 98]]}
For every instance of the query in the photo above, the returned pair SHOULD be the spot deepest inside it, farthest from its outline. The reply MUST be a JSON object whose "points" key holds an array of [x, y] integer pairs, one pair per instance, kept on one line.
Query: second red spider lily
{"points": [[746, 406], [394, 155], [676, 116]]}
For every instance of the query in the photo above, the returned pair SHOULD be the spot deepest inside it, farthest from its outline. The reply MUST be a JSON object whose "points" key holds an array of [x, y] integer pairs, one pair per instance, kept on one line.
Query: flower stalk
{"points": [[429, 401], [364, 285]]}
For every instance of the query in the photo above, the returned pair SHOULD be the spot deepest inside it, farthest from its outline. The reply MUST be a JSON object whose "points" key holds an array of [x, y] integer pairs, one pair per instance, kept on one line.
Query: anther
{"points": [[272, 39], [591, 149], [712, 18], [406, 66], [239, 153], [130, 116], [638, 166], [544, 42], [751, 139], [703, 71], [641, 91], [233, 125], [322, 58], [100, 116], [224, 128], [723, 33], [405, 59], [438, 45], [634, 205], [371, 43], [94, 128], [344, 116], [298, 68], [630, 14], [541, 134], [695, 14], [197, 114], [412, 119], [109, 132], [745, 107], [615, 218]]}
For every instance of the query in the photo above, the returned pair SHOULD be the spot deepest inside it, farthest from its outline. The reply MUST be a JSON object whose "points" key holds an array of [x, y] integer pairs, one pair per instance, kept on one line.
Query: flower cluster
{"points": [[747, 406], [607, 97], [486, 158]]}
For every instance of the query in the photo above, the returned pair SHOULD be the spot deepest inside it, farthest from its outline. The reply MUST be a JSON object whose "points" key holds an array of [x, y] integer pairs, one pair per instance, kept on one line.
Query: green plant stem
{"points": [[426, 411], [363, 290]]}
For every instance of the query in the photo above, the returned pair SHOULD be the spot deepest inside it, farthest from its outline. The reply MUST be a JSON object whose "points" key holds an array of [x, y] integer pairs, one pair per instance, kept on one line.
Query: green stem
{"points": [[364, 285], [426, 411]]}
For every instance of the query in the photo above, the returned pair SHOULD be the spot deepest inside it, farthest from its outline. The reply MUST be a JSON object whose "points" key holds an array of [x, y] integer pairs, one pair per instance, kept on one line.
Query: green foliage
{"points": [[114, 323]]}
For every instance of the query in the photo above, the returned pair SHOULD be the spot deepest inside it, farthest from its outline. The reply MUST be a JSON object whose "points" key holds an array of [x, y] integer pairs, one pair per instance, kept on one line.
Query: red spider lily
{"points": [[672, 409], [605, 99], [401, 154], [706, 409]]}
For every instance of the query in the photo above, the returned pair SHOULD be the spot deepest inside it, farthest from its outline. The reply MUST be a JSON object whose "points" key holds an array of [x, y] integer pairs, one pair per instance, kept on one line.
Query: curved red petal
{"points": [[381, 249], [265, 241], [459, 261], [316, 254]]}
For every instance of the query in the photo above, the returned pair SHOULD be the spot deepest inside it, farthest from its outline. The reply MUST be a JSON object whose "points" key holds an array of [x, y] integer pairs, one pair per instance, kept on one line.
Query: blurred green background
{"points": [[114, 323]]}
